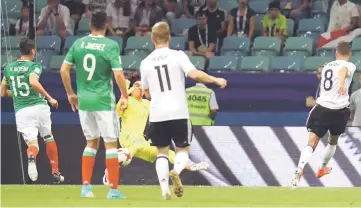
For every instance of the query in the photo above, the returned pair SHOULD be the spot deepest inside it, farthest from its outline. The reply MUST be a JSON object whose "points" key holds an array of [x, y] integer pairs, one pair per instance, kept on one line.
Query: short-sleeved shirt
{"points": [[23, 27], [97, 4], [274, 26], [200, 37], [64, 14], [213, 105], [341, 15], [238, 27], [329, 96], [215, 18], [17, 75], [118, 19], [355, 106], [163, 74], [95, 58]]}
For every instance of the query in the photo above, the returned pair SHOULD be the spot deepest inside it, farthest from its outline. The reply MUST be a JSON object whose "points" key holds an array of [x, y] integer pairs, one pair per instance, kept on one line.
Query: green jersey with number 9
{"points": [[95, 58], [17, 75]]}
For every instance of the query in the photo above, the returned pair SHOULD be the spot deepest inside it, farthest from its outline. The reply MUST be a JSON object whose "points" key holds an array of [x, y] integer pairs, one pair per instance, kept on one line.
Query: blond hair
{"points": [[161, 33]]}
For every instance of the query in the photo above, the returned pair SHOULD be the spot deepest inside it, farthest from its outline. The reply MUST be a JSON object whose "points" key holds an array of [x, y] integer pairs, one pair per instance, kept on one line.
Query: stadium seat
{"points": [[83, 27], [223, 64], [329, 52], [10, 42], [39, 5], [178, 43], [117, 39], [357, 61], [258, 25], [314, 62], [255, 63], [260, 7], [69, 42], [356, 83], [44, 61], [139, 46], [5, 59], [56, 62], [298, 46], [180, 26], [131, 63], [286, 63], [266, 46], [11, 9], [290, 27], [311, 28], [235, 46], [198, 61], [227, 5], [48, 45], [356, 46]]}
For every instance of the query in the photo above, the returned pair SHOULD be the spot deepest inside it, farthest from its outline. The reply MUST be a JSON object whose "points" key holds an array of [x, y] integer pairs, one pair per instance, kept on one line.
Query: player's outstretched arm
{"points": [[121, 82], [342, 75], [200, 76], [35, 84], [65, 76]]}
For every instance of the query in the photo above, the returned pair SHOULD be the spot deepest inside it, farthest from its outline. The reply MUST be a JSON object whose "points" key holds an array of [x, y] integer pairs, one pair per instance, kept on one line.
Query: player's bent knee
{"points": [[93, 143], [110, 143]]}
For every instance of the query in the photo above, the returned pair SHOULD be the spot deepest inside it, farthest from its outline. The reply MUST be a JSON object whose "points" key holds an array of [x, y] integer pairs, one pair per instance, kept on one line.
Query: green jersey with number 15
{"points": [[95, 58], [17, 75]]}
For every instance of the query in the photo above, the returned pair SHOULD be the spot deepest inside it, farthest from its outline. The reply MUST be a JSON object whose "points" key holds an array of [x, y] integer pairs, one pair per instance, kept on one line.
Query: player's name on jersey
{"points": [[19, 68], [93, 46]]}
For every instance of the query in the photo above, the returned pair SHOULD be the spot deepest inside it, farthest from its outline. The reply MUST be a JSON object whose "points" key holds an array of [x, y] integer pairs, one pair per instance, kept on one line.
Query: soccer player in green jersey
{"points": [[96, 58], [32, 112]]}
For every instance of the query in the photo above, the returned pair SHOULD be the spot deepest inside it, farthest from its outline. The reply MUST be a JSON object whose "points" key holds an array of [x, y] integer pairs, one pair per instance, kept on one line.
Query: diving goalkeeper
{"points": [[134, 122]]}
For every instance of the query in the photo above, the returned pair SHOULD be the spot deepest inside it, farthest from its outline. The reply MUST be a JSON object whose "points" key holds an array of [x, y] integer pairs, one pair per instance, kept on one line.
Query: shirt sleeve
{"points": [[17, 26], [213, 105], [352, 101], [115, 60], [191, 34], [143, 76], [42, 13], [66, 16], [283, 22], [351, 68], [184, 62], [109, 10], [265, 21], [36, 69], [69, 58], [354, 11]]}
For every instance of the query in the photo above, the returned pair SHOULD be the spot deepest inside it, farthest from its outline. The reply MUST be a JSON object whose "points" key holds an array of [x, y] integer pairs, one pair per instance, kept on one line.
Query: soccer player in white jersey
{"points": [[331, 112], [163, 76]]}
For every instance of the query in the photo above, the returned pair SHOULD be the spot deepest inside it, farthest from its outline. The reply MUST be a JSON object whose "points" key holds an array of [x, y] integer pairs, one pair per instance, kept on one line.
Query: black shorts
{"points": [[321, 119], [162, 133]]}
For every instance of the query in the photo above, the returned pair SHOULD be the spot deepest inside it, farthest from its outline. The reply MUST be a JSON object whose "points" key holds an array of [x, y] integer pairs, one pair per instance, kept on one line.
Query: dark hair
{"points": [[98, 19], [21, 18], [344, 48], [133, 77], [274, 5], [26, 45], [200, 13]]}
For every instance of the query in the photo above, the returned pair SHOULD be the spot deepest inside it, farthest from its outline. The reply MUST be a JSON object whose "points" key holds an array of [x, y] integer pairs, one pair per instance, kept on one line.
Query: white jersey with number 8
{"points": [[163, 73], [329, 96]]}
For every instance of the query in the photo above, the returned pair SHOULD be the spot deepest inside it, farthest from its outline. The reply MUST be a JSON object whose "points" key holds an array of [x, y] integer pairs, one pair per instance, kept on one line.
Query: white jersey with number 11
{"points": [[329, 96], [163, 73]]}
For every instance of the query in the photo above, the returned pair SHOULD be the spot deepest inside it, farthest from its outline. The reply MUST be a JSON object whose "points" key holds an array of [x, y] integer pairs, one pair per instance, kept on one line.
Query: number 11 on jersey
{"points": [[165, 67]]}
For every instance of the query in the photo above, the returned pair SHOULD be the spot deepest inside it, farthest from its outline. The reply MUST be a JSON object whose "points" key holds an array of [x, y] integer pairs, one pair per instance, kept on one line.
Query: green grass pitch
{"points": [[194, 196]]}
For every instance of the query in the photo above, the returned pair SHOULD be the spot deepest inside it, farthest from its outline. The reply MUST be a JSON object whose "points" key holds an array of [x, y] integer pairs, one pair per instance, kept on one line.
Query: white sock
{"points": [[180, 161], [306, 155], [162, 168], [329, 152]]}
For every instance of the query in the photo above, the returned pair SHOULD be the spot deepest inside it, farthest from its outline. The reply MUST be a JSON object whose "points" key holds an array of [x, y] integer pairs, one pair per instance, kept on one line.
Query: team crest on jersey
{"points": [[37, 70]]}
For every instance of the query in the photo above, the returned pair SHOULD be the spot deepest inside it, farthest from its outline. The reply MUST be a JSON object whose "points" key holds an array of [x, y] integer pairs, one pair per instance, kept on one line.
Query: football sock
{"points": [[171, 156], [52, 152], [181, 160], [306, 155], [87, 165], [111, 163], [162, 168], [329, 152], [32, 151]]}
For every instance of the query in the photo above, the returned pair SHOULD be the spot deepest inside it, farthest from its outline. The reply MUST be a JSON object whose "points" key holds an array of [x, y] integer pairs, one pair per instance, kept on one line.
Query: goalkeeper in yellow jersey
{"points": [[134, 121]]}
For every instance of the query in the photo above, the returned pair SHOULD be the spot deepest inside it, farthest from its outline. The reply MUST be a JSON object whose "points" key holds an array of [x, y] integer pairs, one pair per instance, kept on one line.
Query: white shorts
{"points": [[100, 123], [31, 121]]}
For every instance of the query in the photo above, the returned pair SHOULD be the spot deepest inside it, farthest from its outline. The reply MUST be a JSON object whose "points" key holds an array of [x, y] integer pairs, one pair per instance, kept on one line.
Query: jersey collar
{"points": [[98, 36]]}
